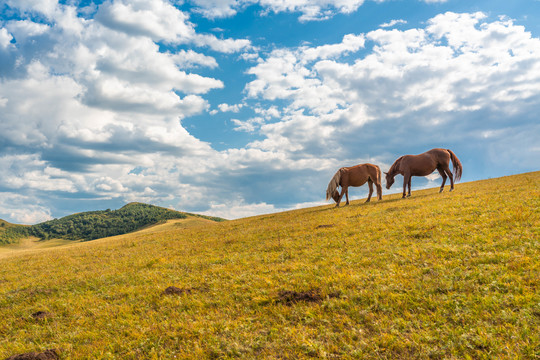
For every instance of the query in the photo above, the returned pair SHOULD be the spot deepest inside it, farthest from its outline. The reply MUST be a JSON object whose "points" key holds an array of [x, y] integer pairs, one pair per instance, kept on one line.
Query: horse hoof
{"points": [[440, 191], [452, 189], [409, 195]]}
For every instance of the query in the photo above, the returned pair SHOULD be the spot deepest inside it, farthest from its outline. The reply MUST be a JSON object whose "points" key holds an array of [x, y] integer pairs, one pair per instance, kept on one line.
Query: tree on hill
{"points": [[11, 233], [98, 224], [95, 224]]}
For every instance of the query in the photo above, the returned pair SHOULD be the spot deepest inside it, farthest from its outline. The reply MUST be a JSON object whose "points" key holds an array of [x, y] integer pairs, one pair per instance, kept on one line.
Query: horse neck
{"points": [[394, 169]]}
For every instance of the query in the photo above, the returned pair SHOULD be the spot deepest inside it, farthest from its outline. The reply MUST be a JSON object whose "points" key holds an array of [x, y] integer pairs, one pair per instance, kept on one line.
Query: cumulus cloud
{"points": [[420, 77], [392, 23], [161, 21], [156, 19], [248, 125], [309, 10], [233, 108], [5, 38], [95, 98], [191, 59], [95, 108]]}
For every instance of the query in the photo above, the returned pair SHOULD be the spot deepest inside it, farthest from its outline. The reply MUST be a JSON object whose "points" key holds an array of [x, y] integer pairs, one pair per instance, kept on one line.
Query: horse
{"points": [[423, 165], [354, 176]]}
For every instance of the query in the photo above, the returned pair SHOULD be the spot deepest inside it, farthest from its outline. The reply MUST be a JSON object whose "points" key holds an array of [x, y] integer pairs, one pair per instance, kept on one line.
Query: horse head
{"points": [[389, 180]]}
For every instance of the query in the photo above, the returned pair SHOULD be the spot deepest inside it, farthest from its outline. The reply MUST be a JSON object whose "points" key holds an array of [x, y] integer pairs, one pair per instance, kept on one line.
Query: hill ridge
{"points": [[96, 224]]}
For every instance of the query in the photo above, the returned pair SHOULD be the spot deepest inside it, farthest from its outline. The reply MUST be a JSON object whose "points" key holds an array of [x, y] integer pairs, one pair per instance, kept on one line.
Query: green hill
{"points": [[10, 233], [435, 276], [96, 224]]}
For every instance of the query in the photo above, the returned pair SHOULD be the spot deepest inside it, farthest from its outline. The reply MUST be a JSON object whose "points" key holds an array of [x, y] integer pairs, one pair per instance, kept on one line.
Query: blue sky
{"points": [[241, 107]]}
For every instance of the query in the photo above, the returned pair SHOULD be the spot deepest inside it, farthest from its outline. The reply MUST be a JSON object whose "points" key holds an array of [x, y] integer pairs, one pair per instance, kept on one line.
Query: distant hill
{"points": [[10, 233], [96, 224]]}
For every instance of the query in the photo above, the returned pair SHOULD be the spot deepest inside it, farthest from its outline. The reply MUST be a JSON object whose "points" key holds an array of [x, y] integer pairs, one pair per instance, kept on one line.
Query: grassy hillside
{"points": [[10, 233], [96, 224], [443, 276]]}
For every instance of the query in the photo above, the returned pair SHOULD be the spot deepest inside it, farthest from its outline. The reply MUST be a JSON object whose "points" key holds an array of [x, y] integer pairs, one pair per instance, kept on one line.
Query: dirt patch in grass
{"points": [[173, 290], [46, 355], [289, 297], [322, 226], [40, 315]]}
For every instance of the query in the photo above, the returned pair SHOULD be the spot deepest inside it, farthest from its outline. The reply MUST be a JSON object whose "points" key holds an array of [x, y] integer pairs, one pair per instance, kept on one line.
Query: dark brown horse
{"points": [[423, 165], [354, 176]]}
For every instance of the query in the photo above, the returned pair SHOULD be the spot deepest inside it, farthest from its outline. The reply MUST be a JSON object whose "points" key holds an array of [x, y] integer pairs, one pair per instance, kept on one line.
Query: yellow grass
{"points": [[444, 276]]}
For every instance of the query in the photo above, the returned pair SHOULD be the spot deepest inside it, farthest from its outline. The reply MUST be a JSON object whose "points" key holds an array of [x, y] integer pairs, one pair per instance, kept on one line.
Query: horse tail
{"points": [[332, 186], [458, 168]]}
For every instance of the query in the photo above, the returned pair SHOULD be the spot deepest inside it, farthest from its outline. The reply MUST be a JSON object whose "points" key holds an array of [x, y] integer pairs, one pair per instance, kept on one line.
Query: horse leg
{"points": [[379, 191], [347, 196], [451, 178], [370, 184], [410, 179], [443, 174], [340, 196], [406, 178]]}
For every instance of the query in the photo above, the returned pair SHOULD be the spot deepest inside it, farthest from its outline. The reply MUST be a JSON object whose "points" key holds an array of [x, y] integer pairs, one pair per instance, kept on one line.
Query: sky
{"points": [[235, 108]]}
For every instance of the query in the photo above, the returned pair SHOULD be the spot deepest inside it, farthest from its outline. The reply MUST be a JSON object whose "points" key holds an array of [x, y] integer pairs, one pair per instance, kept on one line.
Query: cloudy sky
{"points": [[241, 107]]}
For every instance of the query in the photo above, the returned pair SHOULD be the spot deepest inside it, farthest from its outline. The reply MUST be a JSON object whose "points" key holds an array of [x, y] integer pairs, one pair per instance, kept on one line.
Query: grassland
{"points": [[436, 276]]}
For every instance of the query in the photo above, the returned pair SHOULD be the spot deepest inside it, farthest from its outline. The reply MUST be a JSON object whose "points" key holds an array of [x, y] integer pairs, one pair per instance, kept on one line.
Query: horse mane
{"points": [[395, 166], [332, 186]]}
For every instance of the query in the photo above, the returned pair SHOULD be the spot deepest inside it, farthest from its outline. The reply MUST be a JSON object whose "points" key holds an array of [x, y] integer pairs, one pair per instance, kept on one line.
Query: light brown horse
{"points": [[354, 176], [423, 165]]}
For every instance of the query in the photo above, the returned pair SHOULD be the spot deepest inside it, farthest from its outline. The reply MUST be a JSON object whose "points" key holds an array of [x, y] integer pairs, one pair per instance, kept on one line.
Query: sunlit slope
{"points": [[34, 244], [452, 275]]}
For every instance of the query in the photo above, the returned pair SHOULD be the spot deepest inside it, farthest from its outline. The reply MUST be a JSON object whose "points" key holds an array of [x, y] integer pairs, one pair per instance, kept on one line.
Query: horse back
{"points": [[425, 163], [360, 174]]}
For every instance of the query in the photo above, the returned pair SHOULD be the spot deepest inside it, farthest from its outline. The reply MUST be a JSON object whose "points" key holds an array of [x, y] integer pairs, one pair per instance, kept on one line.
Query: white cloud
{"points": [[413, 83], [29, 173], [26, 28], [101, 104], [190, 59], [219, 8], [310, 10], [23, 208], [392, 23], [31, 215], [156, 19], [350, 44], [313, 10], [5, 38], [161, 21], [238, 209], [232, 108], [248, 125], [46, 7]]}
